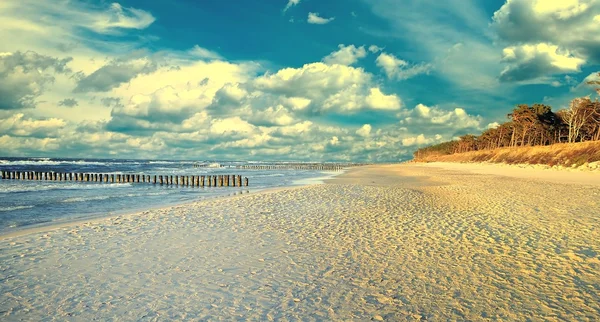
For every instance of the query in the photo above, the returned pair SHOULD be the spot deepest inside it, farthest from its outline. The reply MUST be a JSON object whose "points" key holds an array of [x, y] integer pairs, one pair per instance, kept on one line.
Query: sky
{"points": [[304, 80]]}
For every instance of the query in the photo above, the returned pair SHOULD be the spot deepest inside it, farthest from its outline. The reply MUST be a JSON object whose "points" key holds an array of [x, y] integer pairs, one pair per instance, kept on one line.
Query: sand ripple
{"points": [[473, 247]]}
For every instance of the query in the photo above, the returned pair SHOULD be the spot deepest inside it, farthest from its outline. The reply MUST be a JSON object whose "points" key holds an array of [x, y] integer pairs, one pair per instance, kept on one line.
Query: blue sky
{"points": [[351, 80]]}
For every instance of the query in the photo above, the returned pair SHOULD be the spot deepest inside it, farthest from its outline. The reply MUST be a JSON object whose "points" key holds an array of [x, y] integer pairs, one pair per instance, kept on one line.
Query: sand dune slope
{"points": [[381, 243]]}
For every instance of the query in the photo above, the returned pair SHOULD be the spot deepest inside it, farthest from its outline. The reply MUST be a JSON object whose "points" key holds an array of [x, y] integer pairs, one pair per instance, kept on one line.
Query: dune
{"points": [[387, 242]]}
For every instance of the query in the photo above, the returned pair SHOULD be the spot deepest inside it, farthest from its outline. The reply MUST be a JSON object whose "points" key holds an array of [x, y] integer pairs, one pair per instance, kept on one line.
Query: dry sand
{"points": [[404, 242]]}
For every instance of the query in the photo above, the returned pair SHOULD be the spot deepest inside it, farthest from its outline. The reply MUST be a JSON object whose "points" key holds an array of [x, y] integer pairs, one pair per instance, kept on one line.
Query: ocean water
{"points": [[26, 204]]}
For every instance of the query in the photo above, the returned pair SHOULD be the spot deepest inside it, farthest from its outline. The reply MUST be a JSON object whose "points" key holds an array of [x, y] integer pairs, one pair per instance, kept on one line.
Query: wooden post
{"points": [[233, 179], [239, 178], [202, 181], [214, 181], [220, 180], [245, 181], [161, 179]]}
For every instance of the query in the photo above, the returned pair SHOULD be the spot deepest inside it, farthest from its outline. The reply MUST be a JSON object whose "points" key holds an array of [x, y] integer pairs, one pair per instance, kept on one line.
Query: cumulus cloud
{"points": [[194, 103], [547, 37], [18, 125], [312, 80], [25, 76], [535, 61], [364, 131], [379, 101], [420, 140], [346, 55], [314, 18], [396, 68], [455, 122]]}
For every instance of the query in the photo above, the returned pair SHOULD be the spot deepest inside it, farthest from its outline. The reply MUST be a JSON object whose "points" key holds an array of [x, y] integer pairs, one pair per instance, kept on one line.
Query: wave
{"points": [[96, 198], [48, 162], [14, 208], [55, 186], [268, 175], [81, 199]]}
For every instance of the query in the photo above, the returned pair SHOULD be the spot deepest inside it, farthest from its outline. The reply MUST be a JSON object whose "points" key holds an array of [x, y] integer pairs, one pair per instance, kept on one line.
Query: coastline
{"points": [[391, 242], [50, 226]]}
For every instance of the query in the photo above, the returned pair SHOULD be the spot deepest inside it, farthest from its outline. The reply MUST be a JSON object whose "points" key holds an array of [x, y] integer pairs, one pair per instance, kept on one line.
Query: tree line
{"points": [[531, 125]]}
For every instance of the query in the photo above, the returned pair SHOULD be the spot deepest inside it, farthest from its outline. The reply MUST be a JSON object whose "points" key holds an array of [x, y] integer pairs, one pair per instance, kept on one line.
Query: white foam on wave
{"points": [[96, 198], [10, 188], [48, 161], [81, 199], [14, 208], [269, 175]]}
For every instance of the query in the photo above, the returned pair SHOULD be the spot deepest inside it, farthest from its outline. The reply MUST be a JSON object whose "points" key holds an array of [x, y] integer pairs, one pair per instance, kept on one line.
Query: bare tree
{"points": [[577, 116]]}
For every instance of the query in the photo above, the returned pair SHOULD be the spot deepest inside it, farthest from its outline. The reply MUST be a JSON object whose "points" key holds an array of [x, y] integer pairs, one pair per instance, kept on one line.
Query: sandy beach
{"points": [[413, 242]]}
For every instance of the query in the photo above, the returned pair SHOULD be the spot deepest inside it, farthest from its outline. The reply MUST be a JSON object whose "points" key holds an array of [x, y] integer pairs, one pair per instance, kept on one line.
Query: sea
{"points": [[30, 204]]}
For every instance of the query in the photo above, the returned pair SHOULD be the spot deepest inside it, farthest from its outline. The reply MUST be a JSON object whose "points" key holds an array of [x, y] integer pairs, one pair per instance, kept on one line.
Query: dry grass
{"points": [[564, 154]]}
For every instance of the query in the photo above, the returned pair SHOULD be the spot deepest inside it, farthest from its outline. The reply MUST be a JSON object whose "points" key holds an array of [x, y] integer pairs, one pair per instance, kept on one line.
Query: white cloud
{"points": [[111, 19], [417, 140], [191, 103], [396, 68], [346, 55], [25, 76], [556, 36], [451, 122], [536, 61], [312, 81], [375, 49], [290, 4], [379, 101], [18, 125], [231, 125], [364, 131], [314, 18]]}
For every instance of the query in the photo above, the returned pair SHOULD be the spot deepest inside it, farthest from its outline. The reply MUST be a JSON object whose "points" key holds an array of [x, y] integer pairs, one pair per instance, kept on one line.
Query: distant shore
{"points": [[385, 242]]}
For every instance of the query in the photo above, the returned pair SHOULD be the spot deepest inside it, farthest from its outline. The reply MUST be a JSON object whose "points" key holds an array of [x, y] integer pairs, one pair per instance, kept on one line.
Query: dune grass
{"points": [[563, 154]]}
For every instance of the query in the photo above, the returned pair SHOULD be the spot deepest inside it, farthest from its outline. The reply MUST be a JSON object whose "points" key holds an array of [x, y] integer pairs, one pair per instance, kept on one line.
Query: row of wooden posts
{"points": [[193, 181], [324, 167]]}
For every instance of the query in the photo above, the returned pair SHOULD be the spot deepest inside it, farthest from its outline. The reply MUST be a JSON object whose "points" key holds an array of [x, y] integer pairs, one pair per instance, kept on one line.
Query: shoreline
{"points": [[50, 226], [382, 242]]}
